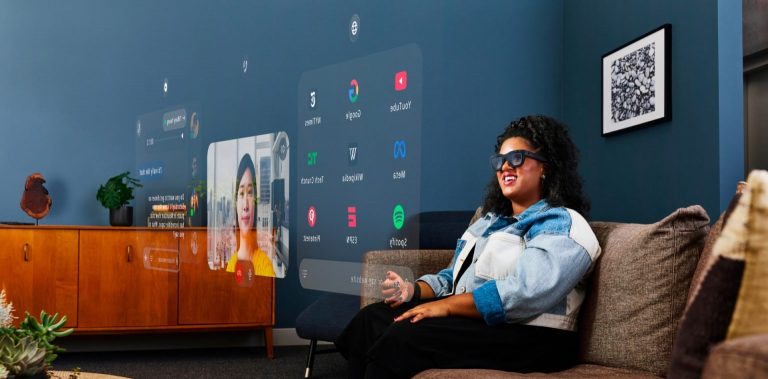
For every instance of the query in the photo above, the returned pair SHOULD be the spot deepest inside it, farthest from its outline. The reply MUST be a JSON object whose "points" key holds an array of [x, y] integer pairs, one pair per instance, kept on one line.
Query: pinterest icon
{"points": [[312, 217]]}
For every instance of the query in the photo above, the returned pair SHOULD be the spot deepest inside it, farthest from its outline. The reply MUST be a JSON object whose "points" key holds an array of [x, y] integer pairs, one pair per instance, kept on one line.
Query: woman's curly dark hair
{"points": [[562, 186]]}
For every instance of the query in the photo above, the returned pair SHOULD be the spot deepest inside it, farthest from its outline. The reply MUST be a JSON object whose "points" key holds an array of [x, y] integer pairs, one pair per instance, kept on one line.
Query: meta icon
{"points": [[399, 150], [401, 80], [352, 154], [352, 217], [312, 217], [354, 91]]}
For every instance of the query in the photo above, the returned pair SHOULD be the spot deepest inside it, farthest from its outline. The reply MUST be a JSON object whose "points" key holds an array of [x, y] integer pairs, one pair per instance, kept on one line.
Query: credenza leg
{"points": [[269, 343]]}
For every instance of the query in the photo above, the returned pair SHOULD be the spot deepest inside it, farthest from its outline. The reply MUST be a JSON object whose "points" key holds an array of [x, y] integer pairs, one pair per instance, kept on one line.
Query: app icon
{"points": [[398, 217], [312, 217], [239, 272], [354, 27], [352, 217], [401, 80], [354, 90], [399, 149], [352, 154], [311, 158], [312, 98]]}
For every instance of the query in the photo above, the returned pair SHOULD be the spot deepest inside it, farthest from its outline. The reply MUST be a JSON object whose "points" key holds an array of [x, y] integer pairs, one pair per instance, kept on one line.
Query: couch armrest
{"points": [[745, 357], [410, 264]]}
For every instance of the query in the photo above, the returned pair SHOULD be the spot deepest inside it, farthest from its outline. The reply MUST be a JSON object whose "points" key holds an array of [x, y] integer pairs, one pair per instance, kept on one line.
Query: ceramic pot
{"points": [[122, 216]]}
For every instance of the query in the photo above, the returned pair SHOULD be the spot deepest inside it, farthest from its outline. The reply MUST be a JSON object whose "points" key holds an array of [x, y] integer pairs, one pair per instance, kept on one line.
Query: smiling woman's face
{"points": [[521, 185], [245, 214]]}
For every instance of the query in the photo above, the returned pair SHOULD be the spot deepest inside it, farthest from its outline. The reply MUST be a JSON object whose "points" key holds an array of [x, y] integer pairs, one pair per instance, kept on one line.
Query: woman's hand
{"points": [[437, 308], [395, 290], [455, 305]]}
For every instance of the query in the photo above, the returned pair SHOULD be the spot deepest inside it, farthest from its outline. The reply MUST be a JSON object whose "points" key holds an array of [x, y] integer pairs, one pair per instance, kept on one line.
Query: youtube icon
{"points": [[401, 81]]}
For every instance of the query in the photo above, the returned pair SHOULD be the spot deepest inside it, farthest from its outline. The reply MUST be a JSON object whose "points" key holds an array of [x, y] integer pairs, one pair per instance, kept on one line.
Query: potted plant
{"points": [[115, 195], [27, 351]]}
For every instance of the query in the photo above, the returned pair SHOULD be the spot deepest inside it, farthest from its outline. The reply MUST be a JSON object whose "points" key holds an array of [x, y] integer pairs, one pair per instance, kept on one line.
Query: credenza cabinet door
{"points": [[38, 269], [215, 296], [128, 279]]}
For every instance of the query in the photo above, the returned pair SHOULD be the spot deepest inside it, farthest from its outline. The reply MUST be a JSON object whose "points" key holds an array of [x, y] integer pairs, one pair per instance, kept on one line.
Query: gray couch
{"points": [[636, 297]]}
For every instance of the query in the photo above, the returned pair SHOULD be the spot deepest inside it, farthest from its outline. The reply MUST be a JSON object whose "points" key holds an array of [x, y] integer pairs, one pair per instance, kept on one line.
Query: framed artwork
{"points": [[636, 82]]}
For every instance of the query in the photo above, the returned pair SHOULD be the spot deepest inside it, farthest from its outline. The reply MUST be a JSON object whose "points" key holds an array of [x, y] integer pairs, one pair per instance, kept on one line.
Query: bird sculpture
{"points": [[35, 200]]}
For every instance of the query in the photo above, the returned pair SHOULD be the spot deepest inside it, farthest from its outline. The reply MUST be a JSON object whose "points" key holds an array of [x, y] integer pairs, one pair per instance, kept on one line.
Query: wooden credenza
{"points": [[127, 280]]}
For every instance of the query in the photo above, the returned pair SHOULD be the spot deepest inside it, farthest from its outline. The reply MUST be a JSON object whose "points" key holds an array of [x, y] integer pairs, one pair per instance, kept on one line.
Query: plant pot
{"points": [[122, 216]]}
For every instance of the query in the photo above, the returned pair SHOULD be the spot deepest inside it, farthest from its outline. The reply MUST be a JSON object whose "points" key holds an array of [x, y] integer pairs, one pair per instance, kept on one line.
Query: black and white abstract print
{"points": [[633, 89]]}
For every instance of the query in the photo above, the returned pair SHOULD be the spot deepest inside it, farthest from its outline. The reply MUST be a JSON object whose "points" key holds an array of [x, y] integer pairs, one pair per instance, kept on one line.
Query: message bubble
{"points": [[175, 119], [151, 171]]}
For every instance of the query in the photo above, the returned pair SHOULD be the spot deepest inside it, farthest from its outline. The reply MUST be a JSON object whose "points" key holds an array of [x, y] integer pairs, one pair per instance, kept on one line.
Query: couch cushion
{"points": [[577, 372], [709, 311], [745, 357], [707, 257], [751, 313], [639, 288]]}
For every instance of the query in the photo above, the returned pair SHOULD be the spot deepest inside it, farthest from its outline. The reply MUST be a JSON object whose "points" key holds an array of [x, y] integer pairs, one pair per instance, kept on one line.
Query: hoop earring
{"points": [[543, 177]]}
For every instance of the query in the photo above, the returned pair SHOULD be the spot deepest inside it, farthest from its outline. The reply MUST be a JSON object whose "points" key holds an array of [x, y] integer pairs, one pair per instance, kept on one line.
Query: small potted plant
{"points": [[115, 195]]}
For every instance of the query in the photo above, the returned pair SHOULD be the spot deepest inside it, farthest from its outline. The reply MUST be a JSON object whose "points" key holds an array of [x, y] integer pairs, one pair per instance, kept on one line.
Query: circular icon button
{"points": [[312, 217], [398, 217], [354, 27], [239, 272]]}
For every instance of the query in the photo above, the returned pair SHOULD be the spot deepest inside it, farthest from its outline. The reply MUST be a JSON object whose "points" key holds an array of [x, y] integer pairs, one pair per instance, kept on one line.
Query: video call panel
{"points": [[359, 164], [248, 198]]}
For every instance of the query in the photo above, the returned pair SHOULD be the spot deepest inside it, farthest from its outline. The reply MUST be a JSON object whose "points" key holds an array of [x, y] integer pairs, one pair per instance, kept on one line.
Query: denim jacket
{"points": [[528, 269]]}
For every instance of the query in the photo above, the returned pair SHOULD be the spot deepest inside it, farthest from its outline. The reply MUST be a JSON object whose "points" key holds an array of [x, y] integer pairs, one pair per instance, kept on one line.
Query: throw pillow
{"points": [[751, 313], [709, 312], [638, 290], [707, 257]]}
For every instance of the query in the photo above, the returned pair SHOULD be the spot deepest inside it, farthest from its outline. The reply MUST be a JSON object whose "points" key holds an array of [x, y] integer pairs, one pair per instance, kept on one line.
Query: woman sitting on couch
{"points": [[510, 297]]}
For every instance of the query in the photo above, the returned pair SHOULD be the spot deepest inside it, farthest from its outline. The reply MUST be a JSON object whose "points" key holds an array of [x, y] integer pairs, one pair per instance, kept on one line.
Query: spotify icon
{"points": [[398, 216]]}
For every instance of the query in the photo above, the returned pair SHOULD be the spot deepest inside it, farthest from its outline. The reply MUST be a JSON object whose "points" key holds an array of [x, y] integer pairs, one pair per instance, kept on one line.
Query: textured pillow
{"points": [[638, 290], [709, 311], [707, 257], [751, 313]]}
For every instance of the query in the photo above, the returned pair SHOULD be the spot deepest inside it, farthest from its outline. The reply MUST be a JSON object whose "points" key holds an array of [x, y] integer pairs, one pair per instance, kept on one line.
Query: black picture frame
{"points": [[636, 81]]}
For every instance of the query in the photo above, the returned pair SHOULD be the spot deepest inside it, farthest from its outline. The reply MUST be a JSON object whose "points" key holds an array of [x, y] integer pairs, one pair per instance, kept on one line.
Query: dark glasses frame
{"points": [[512, 157]]}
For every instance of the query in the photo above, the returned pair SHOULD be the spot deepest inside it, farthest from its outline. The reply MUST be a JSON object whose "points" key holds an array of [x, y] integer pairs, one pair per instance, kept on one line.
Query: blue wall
{"points": [[696, 157], [75, 75]]}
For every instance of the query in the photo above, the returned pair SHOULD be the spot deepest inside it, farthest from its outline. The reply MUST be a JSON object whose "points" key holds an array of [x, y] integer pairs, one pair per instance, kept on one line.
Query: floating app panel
{"points": [[359, 177]]}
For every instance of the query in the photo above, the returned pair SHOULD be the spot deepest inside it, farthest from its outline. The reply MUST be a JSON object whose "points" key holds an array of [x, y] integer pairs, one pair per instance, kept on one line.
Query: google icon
{"points": [[353, 91]]}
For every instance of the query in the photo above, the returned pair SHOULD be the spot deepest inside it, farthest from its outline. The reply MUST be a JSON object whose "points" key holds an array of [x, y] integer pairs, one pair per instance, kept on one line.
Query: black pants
{"points": [[377, 347]]}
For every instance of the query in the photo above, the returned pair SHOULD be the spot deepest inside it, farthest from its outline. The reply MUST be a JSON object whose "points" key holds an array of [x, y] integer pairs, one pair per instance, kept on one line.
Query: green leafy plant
{"points": [[117, 191], [29, 349]]}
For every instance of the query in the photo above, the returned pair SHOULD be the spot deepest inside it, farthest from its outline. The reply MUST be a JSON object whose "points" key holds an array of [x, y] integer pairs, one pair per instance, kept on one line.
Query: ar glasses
{"points": [[515, 158]]}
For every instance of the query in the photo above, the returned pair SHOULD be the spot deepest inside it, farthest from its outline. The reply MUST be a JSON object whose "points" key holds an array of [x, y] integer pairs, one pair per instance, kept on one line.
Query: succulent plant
{"points": [[45, 331], [27, 350], [22, 357]]}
